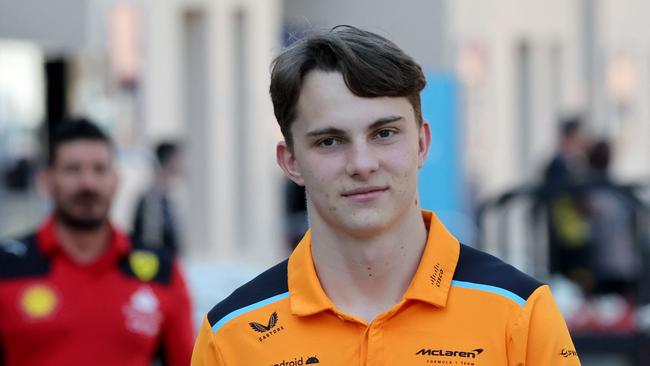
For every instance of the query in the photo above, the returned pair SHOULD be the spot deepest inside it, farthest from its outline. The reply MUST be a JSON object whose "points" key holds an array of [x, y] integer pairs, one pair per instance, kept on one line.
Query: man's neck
{"points": [[365, 277], [83, 246]]}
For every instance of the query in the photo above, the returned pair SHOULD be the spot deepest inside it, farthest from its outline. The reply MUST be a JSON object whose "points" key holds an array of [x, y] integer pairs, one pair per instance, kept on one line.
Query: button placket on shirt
{"points": [[374, 344], [375, 347]]}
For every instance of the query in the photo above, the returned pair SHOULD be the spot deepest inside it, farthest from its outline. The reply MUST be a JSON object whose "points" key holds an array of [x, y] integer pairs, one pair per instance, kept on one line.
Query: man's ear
{"points": [[424, 142], [287, 161], [44, 181], [115, 178]]}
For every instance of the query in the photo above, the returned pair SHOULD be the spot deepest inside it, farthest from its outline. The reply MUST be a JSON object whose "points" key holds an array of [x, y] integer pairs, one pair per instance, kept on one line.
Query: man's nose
{"points": [[362, 161], [90, 178]]}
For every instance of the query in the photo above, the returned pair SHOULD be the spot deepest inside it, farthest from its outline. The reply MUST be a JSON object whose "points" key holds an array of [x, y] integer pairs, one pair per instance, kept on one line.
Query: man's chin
{"points": [[365, 224], [79, 222]]}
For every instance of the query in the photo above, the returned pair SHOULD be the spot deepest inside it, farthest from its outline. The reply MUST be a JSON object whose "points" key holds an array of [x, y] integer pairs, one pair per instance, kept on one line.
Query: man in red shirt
{"points": [[74, 292]]}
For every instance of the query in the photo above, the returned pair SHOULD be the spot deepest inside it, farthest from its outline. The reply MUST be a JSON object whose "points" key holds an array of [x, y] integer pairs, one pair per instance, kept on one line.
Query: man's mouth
{"points": [[86, 199], [365, 193]]}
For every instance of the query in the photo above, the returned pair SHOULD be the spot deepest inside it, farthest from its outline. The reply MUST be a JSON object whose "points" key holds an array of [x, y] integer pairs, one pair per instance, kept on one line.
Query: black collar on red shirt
{"points": [[48, 244]]}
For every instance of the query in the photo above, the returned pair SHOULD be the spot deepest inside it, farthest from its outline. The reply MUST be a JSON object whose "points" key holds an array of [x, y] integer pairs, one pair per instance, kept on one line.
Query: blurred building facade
{"points": [[190, 70], [524, 64]]}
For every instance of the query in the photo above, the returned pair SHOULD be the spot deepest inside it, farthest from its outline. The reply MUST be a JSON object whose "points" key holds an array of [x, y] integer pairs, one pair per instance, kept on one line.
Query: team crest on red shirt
{"points": [[38, 301], [142, 313]]}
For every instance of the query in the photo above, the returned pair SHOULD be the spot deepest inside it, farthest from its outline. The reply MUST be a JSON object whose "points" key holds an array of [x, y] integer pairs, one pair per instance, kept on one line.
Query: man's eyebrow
{"points": [[325, 131], [337, 131], [384, 121]]}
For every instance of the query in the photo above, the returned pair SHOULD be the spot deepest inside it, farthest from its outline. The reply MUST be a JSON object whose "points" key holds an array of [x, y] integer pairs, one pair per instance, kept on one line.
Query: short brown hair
{"points": [[371, 66]]}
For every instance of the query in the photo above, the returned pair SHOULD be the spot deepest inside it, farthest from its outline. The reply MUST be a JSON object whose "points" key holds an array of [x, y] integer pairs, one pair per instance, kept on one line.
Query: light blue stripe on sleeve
{"points": [[497, 290], [247, 309]]}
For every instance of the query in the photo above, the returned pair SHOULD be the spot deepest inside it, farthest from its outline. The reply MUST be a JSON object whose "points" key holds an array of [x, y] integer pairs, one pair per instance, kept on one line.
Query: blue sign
{"points": [[441, 181]]}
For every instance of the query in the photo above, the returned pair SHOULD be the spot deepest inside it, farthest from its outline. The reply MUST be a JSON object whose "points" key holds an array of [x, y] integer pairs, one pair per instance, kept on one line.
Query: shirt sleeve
{"points": [[206, 352], [178, 331], [538, 334]]}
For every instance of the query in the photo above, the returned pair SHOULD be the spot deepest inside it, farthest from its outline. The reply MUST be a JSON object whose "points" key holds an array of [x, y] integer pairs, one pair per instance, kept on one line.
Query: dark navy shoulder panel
{"points": [[148, 265], [477, 267], [267, 286], [21, 258]]}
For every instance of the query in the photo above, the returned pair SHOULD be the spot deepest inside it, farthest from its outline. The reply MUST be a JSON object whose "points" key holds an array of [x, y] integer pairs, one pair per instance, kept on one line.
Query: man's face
{"points": [[358, 158], [82, 182]]}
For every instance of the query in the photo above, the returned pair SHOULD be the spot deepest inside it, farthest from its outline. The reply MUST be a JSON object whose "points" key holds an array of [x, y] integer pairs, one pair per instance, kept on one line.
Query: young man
{"points": [[74, 293], [376, 280]]}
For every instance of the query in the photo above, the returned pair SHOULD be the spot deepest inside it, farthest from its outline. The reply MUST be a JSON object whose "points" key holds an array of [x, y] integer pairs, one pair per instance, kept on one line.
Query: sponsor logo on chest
{"points": [[298, 361], [270, 329], [142, 313], [440, 356], [38, 301]]}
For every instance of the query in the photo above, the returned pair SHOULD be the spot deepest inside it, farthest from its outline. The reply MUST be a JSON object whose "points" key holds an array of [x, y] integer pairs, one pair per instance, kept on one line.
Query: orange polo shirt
{"points": [[463, 307]]}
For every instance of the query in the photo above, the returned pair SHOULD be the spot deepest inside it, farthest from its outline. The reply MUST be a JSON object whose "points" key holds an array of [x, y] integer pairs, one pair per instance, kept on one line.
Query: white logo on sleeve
{"points": [[14, 247], [142, 313]]}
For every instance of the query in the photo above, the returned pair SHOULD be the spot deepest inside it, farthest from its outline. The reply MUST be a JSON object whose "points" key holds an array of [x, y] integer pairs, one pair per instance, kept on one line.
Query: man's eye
{"points": [[327, 142], [101, 169], [71, 169], [385, 133]]}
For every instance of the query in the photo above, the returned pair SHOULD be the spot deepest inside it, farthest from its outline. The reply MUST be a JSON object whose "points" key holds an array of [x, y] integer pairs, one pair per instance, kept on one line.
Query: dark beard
{"points": [[79, 224]]}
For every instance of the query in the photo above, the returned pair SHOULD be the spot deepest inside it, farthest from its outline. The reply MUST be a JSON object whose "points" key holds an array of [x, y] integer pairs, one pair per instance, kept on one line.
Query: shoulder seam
{"points": [[247, 309], [481, 271], [492, 289], [266, 288]]}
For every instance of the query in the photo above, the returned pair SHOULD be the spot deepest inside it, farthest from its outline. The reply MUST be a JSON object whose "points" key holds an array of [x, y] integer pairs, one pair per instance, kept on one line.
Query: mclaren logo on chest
{"points": [[450, 357], [270, 329], [448, 353]]}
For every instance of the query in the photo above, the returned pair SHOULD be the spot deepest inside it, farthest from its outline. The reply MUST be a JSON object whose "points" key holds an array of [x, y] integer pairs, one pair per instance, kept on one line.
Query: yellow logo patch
{"points": [[38, 301], [144, 265]]}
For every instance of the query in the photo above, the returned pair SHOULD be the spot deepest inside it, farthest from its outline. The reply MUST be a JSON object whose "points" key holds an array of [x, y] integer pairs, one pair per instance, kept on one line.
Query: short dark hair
{"points": [[165, 151], [599, 155], [371, 66], [72, 130], [571, 125]]}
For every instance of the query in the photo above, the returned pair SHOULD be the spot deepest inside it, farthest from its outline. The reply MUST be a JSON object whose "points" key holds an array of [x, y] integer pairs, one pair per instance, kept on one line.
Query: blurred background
{"points": [[540, 113]]}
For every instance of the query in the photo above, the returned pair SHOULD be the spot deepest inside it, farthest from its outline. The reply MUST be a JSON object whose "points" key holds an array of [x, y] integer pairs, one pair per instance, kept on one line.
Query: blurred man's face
{"points": [[174, 167], [82, 181]]}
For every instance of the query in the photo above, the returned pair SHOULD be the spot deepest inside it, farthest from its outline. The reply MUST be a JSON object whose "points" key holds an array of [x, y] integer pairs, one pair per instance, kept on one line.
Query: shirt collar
{"points": [[306, 294], [430, 284], [48, 242], [435, 272]]}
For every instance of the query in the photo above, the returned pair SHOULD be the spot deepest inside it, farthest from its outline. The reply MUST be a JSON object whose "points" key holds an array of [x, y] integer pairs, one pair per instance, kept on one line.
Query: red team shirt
{"points": [[124, 309]]}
